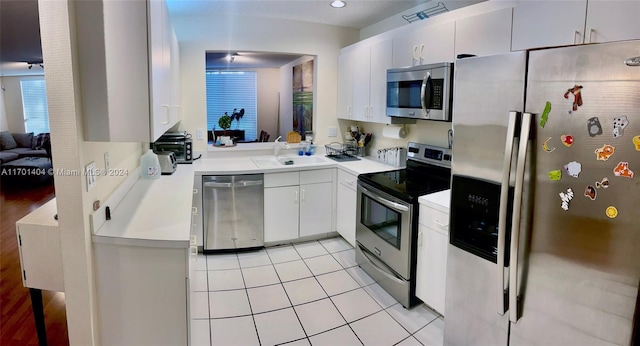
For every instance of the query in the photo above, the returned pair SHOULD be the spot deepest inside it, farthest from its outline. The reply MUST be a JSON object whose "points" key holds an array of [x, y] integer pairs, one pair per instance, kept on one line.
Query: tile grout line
{"points": [[332, 302]]}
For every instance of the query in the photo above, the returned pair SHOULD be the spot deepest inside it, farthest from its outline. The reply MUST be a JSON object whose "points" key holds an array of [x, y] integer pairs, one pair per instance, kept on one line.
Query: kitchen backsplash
{"points": [[427, 132]]}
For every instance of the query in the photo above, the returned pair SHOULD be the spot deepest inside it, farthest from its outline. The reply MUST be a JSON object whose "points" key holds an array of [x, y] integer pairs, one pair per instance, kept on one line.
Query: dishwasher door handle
{"points": [[242, 183]]}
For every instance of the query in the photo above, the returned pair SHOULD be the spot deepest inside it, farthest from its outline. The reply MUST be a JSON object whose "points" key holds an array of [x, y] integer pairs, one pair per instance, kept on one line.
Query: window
{"points": [[34, 106], [227, 90]]}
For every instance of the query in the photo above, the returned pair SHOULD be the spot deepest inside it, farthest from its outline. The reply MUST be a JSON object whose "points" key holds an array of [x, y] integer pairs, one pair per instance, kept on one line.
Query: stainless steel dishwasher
{"points": [[233, 208]]}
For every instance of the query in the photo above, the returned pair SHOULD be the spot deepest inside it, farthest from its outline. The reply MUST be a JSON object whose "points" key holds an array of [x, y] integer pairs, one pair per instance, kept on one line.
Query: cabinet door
{"points": [[381, 60], [431, 267], [403, 44], [361, 81], [612, 21], [548, 23], [346, 213], [485, 34], [176, 97], [315, 208], [345, 85], [436, 43], [281, 208]]}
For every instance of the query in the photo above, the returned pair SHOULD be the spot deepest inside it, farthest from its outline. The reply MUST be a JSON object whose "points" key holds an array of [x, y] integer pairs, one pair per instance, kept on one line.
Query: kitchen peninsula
{"points": [[143, 255]]}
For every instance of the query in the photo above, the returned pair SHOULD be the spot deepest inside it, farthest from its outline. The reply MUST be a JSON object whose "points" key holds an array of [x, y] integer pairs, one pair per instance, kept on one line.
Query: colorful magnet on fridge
{"points": [[555, 175], [604, 153], [565, 198], [604, 183], [573, 168], [545, 146], [611, 212], [590, 192], [622, 170], [636, 142], [567, 140], [593, 127], [619, 124], [577, 97], [545, 114]]}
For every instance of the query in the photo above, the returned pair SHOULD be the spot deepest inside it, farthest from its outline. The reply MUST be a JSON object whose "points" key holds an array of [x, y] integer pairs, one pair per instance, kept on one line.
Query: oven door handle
{"points": [[373, 261], [393, 205]]}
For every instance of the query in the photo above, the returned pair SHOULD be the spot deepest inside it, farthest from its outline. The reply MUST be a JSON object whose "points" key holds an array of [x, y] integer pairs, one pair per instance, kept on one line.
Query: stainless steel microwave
{"points": [[420, 92]]}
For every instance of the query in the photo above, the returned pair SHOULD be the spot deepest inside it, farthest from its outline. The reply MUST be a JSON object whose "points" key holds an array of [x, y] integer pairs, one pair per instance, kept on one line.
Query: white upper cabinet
{"points": [[612, 21], [548, 23], [362, 81], [345, 85], [125, 63], [424, 45], [484, 34]]}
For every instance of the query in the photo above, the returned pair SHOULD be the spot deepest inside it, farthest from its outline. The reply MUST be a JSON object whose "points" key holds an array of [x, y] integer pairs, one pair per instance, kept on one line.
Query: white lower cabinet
{"points": [[433, 239], [142, 294], [346, 206], [297, 204]]}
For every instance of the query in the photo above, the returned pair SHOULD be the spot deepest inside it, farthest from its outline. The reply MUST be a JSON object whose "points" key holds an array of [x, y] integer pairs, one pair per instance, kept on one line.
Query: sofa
{"points": [[15, 146], [25, 158]]}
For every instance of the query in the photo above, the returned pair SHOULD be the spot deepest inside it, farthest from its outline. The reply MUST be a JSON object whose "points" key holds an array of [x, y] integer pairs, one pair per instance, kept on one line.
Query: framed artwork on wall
{"points": [[303, 98]]}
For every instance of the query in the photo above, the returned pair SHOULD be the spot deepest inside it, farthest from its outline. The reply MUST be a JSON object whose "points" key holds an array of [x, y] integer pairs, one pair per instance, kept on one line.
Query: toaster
{"points": [[167, 161]]}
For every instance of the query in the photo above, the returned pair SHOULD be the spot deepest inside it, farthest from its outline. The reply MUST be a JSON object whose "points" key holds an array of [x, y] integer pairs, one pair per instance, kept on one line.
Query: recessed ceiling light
{"points": [[338, 4]]}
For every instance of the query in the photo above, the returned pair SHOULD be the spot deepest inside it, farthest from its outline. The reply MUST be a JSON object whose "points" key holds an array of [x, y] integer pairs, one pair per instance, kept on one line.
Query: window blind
{"points": [[34, 106], [227, 90]]}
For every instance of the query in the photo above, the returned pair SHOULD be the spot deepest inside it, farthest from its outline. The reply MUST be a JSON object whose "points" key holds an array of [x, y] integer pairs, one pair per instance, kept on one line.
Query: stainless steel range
{"points": [[387, 218]]}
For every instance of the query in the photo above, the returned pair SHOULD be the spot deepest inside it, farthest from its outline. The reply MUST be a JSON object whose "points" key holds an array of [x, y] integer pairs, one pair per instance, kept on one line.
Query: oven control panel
{"points": [[429, 154]]}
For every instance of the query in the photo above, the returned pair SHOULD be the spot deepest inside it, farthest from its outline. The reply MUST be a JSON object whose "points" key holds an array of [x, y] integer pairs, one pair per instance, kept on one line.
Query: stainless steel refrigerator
{"points": [[545, 210]]}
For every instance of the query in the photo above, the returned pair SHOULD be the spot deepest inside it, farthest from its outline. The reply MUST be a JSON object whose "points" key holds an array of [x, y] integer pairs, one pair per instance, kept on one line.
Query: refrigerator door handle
{"points": [[501, 297], [514, 308]]}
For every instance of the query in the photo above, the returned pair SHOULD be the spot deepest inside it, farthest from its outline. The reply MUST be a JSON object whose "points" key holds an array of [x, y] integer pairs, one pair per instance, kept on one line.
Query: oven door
{"points": [[384, 228]]}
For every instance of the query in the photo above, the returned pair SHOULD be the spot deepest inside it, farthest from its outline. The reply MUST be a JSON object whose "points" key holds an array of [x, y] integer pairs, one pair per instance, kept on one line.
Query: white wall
{"points": [[71, 153], [4, 126], [13, 101], [199, 34]]}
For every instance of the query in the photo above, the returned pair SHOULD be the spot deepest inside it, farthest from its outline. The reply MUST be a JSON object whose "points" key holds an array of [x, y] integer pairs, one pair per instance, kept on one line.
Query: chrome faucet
{"points": [[279, 145]]}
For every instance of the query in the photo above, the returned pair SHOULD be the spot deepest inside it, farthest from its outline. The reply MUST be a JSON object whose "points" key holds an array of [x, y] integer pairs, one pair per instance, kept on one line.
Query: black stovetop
{"points": [[416, 180]]}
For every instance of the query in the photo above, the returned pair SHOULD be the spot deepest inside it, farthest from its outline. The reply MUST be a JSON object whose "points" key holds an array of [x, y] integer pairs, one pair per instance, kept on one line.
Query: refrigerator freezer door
{"points": [[581, 275], [487, 90]]}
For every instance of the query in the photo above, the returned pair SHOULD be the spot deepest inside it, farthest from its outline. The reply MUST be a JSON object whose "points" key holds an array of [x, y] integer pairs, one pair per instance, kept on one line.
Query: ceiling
{"points": [[20, 34]]}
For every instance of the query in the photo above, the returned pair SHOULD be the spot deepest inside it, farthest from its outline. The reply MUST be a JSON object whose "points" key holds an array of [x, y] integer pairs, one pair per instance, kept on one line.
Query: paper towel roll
{"points": [[394, 132]]}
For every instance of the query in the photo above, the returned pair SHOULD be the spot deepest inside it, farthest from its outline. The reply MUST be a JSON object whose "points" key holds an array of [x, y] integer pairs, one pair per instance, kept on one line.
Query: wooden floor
{"points": [[17, 326]]}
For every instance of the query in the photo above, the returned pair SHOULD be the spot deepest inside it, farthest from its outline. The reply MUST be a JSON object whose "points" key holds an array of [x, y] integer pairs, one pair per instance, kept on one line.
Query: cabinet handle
{"points": [[441, 224], [420, 238], [303, 195], [576, 34], [591, 35], [348, 181], [413, 56], [194, 210], [168, 109], [193, 241], [295, 196], [421, 50], [193, 251]]}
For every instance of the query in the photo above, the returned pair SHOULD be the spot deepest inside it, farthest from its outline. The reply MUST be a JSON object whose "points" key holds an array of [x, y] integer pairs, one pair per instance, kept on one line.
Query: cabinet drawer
{"points": [[282, 179], [347, 179], [434, 219], [316, 176]]}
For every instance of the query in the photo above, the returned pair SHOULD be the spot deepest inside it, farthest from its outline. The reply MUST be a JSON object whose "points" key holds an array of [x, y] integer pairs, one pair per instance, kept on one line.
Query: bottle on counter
{"points": [[150, 165]]}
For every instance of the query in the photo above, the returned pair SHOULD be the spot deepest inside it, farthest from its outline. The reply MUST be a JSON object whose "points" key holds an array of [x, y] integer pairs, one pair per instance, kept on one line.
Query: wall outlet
{"points": [[90, 173], [106, 161], [333, 131], [199, 134]]}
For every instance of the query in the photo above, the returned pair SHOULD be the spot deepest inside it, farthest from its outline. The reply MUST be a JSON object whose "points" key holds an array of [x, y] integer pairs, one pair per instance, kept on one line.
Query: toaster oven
{"points": [[177, 142]]}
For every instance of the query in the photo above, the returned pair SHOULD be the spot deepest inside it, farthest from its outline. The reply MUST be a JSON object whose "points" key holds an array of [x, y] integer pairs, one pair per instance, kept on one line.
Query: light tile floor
{"points": [[311, 293]]}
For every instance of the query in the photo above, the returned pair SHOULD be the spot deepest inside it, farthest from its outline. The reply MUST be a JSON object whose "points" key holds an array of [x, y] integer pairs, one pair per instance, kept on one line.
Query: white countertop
{"points": [[43, 216], [439, 200], [157, 213]]}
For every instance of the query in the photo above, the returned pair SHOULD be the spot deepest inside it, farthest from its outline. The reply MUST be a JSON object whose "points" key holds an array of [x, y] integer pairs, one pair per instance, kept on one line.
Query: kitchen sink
{"points": [[288, 160]]}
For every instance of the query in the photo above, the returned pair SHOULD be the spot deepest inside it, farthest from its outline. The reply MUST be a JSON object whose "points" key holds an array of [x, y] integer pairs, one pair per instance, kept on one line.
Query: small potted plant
{"points": [[225, 123]]}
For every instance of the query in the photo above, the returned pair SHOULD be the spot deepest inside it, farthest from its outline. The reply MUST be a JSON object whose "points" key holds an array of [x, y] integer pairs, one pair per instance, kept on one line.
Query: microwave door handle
{"points": [[425, 91], [514, 309], [501, 290], [393, 205]]}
